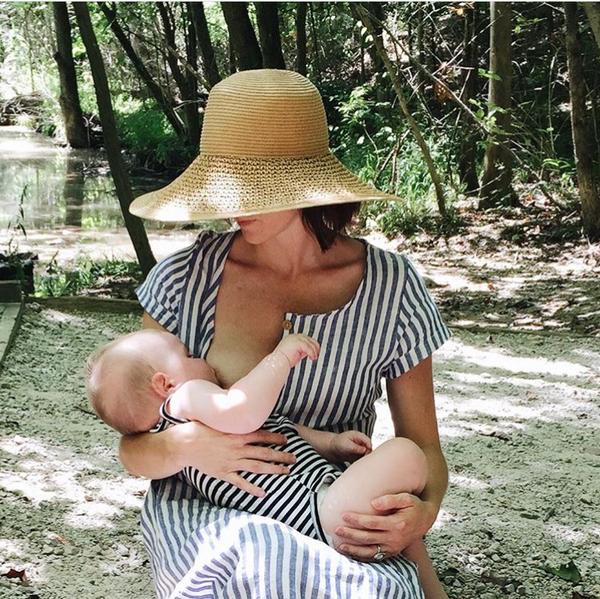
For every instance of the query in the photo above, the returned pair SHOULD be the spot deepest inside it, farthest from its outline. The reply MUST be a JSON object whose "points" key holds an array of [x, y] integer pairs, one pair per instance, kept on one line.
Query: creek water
{"points": [[69, 204]]}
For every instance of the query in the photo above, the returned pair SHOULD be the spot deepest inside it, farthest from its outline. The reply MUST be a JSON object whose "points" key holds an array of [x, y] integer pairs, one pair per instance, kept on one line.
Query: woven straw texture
{"points": [[264, 148]]}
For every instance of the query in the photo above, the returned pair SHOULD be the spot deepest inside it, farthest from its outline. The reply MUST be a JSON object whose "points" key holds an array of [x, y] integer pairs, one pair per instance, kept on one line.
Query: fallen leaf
{"points": [[567, 571], [141, 493], [60, 539], [20, 574]]}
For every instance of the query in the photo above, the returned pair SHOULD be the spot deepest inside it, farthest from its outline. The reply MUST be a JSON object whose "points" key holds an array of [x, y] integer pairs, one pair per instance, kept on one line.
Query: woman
{"points": [[264, 159]]}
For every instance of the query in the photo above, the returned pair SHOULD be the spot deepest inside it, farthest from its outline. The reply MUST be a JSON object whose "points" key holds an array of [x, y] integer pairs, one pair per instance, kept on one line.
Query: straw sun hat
{"points": [[264, 148]]}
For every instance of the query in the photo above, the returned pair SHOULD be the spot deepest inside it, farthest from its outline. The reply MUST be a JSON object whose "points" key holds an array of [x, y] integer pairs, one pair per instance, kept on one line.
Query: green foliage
{"points": [[147, 134], [87, 274]]}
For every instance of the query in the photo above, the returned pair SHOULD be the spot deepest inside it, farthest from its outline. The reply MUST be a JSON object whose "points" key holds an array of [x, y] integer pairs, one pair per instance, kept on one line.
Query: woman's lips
{"points": [[242, 222]]}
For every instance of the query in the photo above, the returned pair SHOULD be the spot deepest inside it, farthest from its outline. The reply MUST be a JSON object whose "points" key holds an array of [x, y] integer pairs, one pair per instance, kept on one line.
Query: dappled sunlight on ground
{"points": [[518, 416]]}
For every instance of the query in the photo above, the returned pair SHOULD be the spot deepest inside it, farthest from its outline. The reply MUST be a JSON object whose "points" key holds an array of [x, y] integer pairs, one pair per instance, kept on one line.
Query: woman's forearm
{"points": [[154, 455], [437, 480]]}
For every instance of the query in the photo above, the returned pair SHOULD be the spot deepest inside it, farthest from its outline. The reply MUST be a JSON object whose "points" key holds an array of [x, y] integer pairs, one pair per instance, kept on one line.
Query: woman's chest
{"points": [[251, 313]]}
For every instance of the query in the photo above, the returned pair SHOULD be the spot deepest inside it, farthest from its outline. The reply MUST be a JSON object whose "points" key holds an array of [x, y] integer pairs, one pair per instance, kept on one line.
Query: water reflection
{"points": [[60, 186]]}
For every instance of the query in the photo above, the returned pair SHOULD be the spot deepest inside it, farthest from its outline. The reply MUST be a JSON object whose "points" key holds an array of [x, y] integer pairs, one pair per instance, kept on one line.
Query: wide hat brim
{"points": [[215, 187]]}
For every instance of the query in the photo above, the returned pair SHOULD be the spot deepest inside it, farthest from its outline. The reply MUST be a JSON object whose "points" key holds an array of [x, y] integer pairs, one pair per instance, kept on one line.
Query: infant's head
{"points": [[129, 378]]}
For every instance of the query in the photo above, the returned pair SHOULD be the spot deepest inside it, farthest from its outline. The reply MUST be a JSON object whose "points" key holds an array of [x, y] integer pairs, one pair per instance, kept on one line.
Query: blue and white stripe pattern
{"points": [[202, 551]]}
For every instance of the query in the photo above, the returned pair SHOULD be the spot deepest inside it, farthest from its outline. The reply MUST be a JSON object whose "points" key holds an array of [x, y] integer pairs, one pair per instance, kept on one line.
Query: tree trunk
{"points": [[134, 225], [496, 185], [70, 106], [241, 36], [191, 56], [420, 45], [377, 64], [376, 9], [301, 37], [315, 42], [156, 91], [439, 191], [583, 143], [592, 10], [211, 70], [187, 94], [267, 20], [467, 162]]}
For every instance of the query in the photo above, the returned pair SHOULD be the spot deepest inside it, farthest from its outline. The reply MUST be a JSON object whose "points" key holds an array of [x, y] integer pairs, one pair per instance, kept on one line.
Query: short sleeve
{"points": [[420, 329], [160, 294]]}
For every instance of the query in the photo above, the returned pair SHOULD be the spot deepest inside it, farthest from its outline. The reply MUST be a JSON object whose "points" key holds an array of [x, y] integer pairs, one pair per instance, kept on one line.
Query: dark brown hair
{"points": [[325, 222]]}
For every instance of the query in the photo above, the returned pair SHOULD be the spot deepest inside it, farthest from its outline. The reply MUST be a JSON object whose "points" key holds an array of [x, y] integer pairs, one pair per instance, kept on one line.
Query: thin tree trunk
{"points": [[75, 130], [439, 191], [267, 19], [209, 62], [467, 165], [592, 10], [420, 44], [241, 36], [496, 184], [315, 42], [377, 64], [191, 56], [187, 95], [583, 143], [118, 170], [301, 37], [156, 91]]}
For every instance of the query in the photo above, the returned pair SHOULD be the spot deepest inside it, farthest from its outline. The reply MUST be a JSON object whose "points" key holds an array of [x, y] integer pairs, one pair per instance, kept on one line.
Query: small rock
{"points": [[47, 549], [587, 500], [522, 590], [510, 588]]}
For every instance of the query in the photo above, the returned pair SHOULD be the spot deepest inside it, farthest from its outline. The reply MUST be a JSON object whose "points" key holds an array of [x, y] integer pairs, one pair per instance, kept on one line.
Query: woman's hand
{"points": [[403, 519], [224, 455], [348, 446]]}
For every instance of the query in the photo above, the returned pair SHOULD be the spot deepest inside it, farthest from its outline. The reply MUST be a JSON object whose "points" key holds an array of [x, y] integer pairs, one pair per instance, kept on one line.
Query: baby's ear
{"points": [[162, 384]]}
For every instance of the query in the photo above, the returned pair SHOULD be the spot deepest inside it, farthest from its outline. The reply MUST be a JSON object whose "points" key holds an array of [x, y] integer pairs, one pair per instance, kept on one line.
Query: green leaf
{"points": [[567, 571]]}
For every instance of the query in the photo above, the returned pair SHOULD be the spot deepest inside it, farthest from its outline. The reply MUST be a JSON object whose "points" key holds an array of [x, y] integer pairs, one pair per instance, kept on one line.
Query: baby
{"points": [[147, 380]]}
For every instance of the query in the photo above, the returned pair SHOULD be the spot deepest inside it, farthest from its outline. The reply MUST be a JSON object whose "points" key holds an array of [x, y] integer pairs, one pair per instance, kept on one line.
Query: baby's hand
{"points": [[295, 347], [349, 446]]}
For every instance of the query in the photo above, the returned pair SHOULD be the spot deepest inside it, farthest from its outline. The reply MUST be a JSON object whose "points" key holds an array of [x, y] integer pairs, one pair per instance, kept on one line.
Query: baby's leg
{"points": [[397, 466]]}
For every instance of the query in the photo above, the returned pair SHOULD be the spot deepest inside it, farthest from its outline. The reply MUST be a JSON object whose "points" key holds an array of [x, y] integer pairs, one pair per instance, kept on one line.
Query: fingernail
{"points": [[377, 503], [339, 531]]}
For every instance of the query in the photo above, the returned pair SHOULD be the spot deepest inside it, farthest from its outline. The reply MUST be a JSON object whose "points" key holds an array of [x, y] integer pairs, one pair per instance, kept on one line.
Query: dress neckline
{"points": [[291, 316]]}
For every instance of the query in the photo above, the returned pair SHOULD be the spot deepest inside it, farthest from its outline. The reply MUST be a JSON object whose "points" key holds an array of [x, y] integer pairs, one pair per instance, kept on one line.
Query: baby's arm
{"points": [[246, 405], [336, 448]]}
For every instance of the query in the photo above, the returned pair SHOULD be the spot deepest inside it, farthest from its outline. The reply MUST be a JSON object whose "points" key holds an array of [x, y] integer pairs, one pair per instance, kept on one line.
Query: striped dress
{"points": [[198, 550]]}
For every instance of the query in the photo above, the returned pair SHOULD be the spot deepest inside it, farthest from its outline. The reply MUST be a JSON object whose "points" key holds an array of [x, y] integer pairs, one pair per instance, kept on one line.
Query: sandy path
{"points": [[519, 418]]}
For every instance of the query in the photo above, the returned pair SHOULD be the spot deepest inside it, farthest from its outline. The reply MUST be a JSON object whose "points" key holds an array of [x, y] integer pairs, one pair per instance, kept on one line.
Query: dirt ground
{"points": [[519, 417], [518, 406]]}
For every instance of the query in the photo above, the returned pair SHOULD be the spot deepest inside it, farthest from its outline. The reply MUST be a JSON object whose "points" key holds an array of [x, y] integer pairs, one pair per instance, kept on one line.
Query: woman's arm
{"points": [[412, 404], [212, 452], [411, 400]]}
